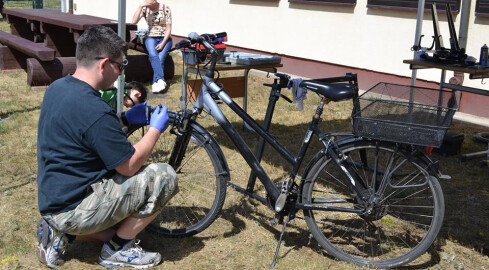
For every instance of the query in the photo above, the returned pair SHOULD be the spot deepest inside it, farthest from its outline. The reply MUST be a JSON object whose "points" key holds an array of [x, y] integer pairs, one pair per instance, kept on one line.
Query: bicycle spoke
{"points": [[412, 222], [192, 153], [408, 197], [337, 180], [412, 206], [412, 214], [355, 168]]}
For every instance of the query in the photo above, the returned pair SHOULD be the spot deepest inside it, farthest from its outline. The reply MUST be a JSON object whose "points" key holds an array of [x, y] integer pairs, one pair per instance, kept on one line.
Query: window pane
{"points": [[482, 6], [413, 4], [333, 2]]}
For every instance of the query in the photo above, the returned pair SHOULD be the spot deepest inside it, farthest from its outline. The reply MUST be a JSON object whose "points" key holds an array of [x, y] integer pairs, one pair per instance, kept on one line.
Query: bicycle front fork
{"points": [[181, 128]]}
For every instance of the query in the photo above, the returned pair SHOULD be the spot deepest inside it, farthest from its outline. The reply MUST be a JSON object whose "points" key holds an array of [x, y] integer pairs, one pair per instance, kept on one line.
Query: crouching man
{"points": [[92, 184]]}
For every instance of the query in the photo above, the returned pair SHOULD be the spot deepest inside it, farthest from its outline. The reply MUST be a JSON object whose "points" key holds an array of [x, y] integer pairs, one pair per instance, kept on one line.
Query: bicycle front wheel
{"points": [[202, 176], [396, 227]]}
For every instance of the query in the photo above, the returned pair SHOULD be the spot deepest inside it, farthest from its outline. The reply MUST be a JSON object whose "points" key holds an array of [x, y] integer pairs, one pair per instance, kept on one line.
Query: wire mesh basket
{"points": [[405, 114], [197, 54], [192, 56]]}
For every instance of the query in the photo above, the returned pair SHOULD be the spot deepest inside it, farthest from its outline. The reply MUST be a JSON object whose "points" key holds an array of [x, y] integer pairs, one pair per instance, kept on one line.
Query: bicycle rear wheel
{"points": [[403, 222], [202, 177]]}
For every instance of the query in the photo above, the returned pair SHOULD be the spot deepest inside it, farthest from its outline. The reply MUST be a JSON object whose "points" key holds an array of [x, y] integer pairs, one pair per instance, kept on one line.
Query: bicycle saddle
{"points": [[332, 91]]}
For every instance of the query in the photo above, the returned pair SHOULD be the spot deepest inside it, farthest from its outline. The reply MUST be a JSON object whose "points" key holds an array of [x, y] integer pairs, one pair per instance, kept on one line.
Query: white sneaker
{"points": [[130, 255], [162, 84], [155, 87]]}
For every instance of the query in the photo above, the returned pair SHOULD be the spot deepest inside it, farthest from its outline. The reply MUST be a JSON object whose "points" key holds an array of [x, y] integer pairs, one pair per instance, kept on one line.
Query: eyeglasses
{"points": [[129, 97], [121, 66]]}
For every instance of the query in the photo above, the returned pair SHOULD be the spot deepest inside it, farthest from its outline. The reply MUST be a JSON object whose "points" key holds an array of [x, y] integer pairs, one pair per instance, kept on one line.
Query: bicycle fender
{"points": [[431, 166]]}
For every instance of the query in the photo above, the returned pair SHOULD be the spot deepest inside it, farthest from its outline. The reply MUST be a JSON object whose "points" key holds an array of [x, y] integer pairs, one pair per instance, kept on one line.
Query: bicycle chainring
{"points": [[291, 198]]}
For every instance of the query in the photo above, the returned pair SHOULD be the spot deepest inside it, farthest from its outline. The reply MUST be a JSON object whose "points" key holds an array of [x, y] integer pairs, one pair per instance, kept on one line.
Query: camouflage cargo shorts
{"points": [[112, 200]]}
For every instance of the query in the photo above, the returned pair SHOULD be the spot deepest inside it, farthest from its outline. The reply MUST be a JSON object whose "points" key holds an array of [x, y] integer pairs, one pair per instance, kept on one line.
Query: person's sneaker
{"points": [[155, 88], [52, 245], [162, 84], [130, 255], [158, 86]]}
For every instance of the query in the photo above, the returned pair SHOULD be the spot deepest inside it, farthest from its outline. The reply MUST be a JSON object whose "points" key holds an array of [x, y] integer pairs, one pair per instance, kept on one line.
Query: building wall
{"points": [[373, 40]]}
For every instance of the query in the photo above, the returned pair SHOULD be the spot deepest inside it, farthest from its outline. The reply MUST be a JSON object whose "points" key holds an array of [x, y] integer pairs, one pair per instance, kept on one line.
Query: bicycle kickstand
{"points": [[280, 239]]}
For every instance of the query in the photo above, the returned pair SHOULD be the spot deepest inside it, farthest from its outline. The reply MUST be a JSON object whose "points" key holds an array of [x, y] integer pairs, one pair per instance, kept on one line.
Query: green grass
{"points": [[242, 237]]}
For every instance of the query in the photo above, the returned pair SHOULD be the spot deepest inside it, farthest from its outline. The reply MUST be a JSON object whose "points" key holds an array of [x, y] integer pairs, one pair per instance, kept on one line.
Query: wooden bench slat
{"points": [[27, 47], [75, 21]]}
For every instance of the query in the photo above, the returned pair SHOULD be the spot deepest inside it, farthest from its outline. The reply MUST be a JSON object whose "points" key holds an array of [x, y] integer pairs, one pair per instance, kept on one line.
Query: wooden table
{"points": [[474, 71], [56, 29], [234, 86]]}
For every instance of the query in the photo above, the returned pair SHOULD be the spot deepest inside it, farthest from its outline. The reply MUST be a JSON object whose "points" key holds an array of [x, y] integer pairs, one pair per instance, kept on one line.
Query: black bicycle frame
{"points": [[204, 99]]}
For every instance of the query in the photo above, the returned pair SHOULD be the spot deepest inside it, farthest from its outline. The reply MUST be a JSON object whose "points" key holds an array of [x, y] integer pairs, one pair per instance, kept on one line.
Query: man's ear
{"points": [[137, 94], [101, 63]]}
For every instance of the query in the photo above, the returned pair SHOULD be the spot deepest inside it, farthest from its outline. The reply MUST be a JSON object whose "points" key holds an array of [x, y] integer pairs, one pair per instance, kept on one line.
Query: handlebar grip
{"points": [[221, 35], [194, 37], [281, 75]]}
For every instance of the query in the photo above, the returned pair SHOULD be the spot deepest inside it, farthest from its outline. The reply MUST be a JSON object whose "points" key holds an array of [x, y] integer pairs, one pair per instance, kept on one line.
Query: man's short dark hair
{"points": [[99, 41]]}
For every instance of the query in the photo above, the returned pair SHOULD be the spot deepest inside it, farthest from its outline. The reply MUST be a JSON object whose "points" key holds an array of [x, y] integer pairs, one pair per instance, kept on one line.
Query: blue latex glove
{"points": [[138, 115], [159, 118]]}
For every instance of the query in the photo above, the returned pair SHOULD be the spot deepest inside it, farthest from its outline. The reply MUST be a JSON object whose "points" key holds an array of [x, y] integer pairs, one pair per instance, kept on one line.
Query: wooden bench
{"points": [[44, 73], [27, 47]]}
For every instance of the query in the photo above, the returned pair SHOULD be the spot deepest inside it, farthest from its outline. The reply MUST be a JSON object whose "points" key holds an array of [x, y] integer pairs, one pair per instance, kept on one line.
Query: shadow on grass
{"points": [[175, 249], [300, 238], [466, 195], [7, 114], [17, 185]]}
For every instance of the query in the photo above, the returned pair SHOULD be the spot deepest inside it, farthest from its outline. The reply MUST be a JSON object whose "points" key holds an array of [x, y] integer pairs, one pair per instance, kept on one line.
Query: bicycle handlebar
{"points": [[196, 38], [204, 39]]}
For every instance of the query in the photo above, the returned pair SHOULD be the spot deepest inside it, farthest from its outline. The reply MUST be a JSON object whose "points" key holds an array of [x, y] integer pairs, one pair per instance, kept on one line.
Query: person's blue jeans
{"points": [[157, 58]]}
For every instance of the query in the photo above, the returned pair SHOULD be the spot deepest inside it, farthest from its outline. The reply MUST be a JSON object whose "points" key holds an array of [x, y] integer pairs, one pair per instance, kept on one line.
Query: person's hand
{"points": [[159, 47], [138, 114], [147, 3], [159, 118]]}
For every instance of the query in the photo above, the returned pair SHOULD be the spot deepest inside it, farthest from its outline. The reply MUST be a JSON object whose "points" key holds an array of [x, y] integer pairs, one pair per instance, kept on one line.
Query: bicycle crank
{"points": [[282, 198]]}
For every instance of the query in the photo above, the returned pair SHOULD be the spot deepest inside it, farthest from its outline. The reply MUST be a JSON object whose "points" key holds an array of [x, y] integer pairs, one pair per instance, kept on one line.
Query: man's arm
{"points": [[158, 124], [143, 150]]}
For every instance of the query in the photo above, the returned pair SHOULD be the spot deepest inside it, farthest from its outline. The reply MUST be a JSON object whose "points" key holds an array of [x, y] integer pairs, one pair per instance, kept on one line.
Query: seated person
{"points": [[158, 42], [135, 94]]}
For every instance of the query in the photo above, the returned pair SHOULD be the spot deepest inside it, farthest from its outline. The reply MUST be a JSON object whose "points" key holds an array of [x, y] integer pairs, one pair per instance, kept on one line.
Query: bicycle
{"points": [[370, 202]]}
